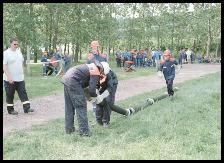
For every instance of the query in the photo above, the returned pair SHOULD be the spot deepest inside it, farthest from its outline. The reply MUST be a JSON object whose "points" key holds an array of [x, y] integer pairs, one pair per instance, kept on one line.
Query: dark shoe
{"points": [[100, 123], [28, 110], [13, 112], [105, 125], [70, 131], [88, 134], [171, 97]]}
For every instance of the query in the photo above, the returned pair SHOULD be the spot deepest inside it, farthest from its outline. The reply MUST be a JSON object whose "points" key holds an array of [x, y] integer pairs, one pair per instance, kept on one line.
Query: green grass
{"points": [[122, 75], [37, 85], [187, 128]]}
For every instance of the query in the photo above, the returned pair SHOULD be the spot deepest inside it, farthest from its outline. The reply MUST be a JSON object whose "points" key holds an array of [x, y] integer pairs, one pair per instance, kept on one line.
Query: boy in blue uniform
{"points": [[168, 69], [105, 104]]}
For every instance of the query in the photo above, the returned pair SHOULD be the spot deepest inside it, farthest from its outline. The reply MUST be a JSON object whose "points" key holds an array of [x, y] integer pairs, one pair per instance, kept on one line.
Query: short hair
{"points": [[13, 39]]}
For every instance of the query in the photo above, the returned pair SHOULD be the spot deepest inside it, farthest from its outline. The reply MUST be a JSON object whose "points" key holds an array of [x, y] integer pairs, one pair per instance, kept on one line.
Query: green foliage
{"points": [[130, 25], [187, 128]]}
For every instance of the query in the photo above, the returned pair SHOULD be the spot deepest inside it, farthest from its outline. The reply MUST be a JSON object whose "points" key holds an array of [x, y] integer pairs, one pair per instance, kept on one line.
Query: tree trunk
{"points": [[51, 28], [28, 60], [68, 48], [73, 52], [178, 44], [217, 48], [158, 35], [181, 40], [35, 54], [209, 39], [194, 45], [132, 26], [109, 47], [76, 53], [87, 49], [80, 54], [65, 48], [148, 42], [55, 38], [173, 27]]}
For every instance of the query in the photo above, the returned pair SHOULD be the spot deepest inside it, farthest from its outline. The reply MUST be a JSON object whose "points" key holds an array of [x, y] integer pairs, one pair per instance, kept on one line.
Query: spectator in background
{"points": [[44, 59], [95, 53], [157, 58], [67, 61], [125, 57], [188, 52], [192, 56], [181, 56], [118, 58], [207, 59], [199, 58], [144, 57], [55, 60], [138, 59]]}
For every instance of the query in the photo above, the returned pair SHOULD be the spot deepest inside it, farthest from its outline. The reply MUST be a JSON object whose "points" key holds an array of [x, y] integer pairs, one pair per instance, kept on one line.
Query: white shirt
{"points": [[188, 52], [14, 61]]}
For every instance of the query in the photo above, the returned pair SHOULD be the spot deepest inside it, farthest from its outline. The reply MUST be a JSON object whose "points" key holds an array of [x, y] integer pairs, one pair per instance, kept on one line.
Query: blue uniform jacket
{"points": [[96, 57], [168, 68]]}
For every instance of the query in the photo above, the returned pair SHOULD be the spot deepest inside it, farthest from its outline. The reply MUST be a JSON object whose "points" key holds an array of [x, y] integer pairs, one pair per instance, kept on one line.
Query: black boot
{"points": [[27, 109], [105, 124], [11, 110], [70, 131], [171, 97]]}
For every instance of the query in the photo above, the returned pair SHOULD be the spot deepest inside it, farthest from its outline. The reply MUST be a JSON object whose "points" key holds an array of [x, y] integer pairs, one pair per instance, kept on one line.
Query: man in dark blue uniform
{"points": [[75, 80], [95, 54]]}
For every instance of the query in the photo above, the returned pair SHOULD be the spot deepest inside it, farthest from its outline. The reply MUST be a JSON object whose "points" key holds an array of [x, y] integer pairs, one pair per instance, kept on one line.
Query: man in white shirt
{"points": [[188, 52], [14, 77]]}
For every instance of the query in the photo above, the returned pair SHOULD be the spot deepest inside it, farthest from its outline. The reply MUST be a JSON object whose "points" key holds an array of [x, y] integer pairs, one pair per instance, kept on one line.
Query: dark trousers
{"points": [[169, 83], [118, 62], [75, 102], [103, 110], [10, 92], [180, 61], [123, 61]]}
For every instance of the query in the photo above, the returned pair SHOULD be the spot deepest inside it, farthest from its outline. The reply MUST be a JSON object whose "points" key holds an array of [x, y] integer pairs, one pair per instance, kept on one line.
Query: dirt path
{"points": [[52, 107]]}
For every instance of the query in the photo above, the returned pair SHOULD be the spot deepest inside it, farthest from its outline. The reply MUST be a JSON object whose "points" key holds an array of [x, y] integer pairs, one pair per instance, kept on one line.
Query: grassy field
{"points": [[187, 128], [37, 85]]}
